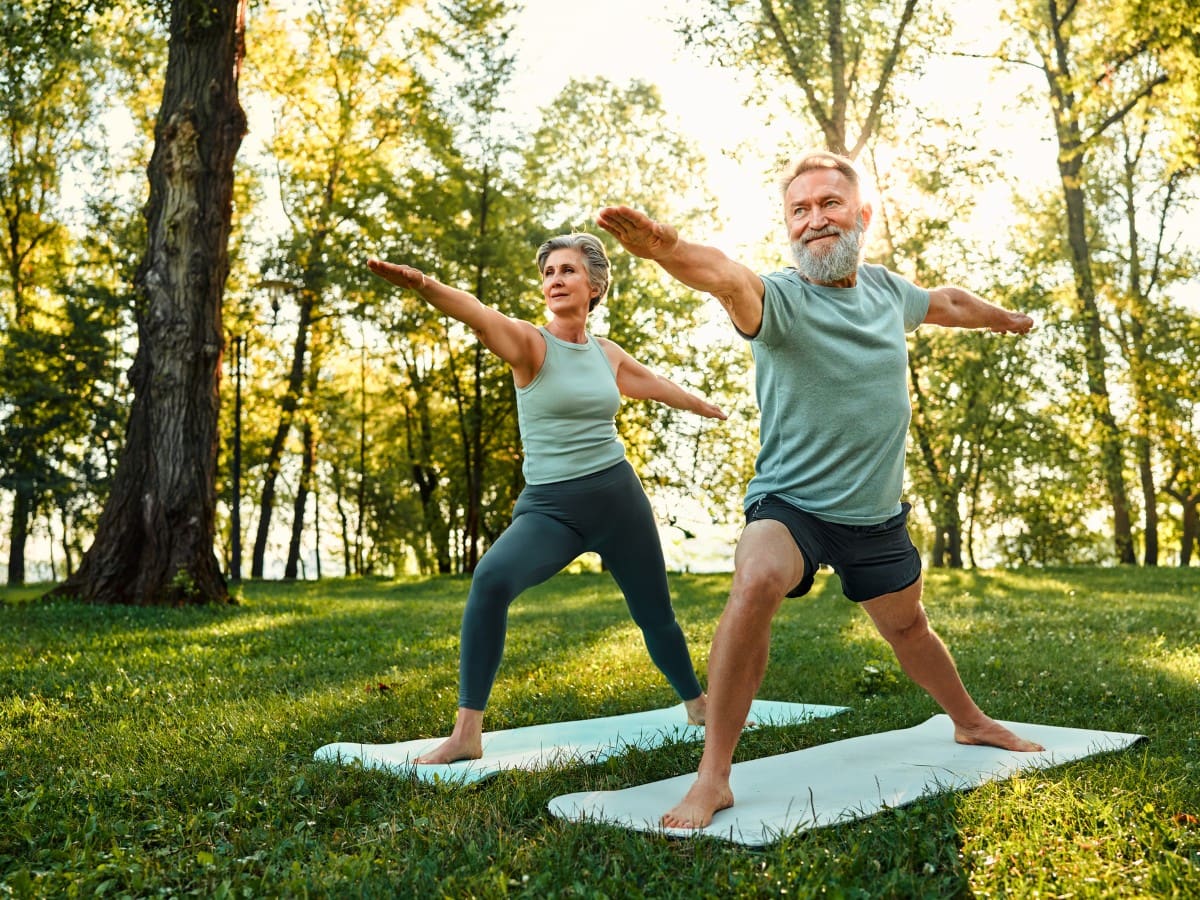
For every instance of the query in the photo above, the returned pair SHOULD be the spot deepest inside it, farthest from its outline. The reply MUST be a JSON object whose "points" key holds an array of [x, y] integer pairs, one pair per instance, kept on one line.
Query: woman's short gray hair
{"points": [[595, 260]]}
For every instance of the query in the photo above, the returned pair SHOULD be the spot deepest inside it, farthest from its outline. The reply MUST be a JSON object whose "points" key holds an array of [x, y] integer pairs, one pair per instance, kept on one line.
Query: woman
{"points": [[581, 494]]}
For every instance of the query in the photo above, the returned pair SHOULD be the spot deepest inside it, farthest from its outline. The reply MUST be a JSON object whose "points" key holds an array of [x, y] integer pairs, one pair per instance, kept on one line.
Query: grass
{"points": [[156, 752]]}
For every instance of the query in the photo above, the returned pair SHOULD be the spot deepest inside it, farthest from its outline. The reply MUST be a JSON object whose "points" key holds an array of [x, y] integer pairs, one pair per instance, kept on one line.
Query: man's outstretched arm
{"points": [[955, 307], [736, 287]]}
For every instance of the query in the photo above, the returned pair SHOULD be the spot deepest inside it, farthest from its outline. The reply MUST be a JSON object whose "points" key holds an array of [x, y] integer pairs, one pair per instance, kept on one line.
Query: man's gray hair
{"points": [[595, 260], [819, 159]]}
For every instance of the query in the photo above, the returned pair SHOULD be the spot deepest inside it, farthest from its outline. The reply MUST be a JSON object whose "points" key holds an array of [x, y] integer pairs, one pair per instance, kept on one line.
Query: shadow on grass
{"points": [[152, 751]]}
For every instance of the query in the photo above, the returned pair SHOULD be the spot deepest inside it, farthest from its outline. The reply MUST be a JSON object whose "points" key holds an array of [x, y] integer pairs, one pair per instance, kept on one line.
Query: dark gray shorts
{"points": [[870, 560]]}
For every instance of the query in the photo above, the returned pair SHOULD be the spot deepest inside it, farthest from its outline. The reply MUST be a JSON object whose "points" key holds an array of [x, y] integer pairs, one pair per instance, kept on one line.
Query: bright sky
{"points": [[626, 39]]}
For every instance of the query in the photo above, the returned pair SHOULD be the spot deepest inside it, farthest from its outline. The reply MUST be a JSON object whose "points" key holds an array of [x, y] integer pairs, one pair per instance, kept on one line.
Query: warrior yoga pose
{"points": [[828, 338], [581, 494]]}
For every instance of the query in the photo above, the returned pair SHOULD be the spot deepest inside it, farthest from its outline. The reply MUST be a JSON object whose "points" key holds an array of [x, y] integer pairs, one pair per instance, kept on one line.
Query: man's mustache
{"points": [[824, 232]]}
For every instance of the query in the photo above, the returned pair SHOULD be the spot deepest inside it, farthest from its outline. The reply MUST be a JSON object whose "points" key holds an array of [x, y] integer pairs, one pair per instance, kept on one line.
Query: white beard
{"points": [[838, 262]]}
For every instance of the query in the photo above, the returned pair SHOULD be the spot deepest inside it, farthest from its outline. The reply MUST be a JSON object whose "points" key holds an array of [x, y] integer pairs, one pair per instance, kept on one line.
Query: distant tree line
{"points": [[359, 433]]}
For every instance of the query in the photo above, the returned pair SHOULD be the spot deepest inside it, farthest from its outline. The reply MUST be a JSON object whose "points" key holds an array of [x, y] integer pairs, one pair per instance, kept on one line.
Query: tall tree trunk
{"points": [[307, 462], [1191, 530], [1190, 537], [1112, 463], [287, 413], [154, 540], [1149, 501], [339, 504], [419, 435], [1072, 148]]}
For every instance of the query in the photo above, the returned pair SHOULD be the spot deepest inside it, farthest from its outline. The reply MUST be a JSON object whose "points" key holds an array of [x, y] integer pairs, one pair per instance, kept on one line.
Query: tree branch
{"points": [[889, 64]]}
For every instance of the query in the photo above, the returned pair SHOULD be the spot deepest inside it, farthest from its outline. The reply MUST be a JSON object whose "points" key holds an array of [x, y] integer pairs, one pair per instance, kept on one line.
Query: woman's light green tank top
{"points": [[567, 414]]}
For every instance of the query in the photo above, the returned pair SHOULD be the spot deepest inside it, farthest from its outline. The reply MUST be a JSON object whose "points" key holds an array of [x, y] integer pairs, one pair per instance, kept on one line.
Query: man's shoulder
{"points": [[787, 283], [878, 274], [877, 277], [789, 274]]}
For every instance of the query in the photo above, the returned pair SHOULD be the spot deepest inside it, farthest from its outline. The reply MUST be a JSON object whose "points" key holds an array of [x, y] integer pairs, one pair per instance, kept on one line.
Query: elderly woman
{"points": [[581, 493]]}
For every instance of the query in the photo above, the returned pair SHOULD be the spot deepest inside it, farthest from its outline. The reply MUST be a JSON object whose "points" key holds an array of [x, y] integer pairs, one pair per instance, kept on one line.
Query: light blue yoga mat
{"points": [[840, 781], [558, 743]]}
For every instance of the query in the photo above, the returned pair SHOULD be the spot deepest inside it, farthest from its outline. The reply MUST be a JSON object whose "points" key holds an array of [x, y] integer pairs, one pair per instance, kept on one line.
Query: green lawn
{"points": [[148, 752]]}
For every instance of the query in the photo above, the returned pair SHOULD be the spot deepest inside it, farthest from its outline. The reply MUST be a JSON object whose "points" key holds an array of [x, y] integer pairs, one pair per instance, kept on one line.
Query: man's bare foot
{"points": [[990, 733], [703, 799], [696, 709]]}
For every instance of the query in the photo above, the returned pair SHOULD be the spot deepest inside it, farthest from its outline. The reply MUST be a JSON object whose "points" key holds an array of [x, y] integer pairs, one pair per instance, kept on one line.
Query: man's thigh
{"points": [[896, 612], [767, 560]]}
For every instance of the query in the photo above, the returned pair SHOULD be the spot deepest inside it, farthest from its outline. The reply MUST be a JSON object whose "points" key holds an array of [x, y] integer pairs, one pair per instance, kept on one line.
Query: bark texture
{"points": [[154, 541]]}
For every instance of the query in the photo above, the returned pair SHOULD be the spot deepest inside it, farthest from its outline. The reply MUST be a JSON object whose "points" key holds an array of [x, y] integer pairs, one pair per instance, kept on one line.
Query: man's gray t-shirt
{"points": [[831, 374]]}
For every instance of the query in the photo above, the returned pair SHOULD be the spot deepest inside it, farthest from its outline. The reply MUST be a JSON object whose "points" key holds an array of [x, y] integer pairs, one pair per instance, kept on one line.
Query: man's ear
{"points": [[865, 212]]}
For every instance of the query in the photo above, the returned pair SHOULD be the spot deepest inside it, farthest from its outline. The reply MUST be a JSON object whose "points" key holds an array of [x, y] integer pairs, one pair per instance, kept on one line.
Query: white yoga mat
{"points": [[557, 743], [839, 782]]}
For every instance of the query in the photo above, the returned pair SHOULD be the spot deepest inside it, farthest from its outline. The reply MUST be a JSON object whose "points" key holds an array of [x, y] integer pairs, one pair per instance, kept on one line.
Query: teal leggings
{"points": [[606, 512]]}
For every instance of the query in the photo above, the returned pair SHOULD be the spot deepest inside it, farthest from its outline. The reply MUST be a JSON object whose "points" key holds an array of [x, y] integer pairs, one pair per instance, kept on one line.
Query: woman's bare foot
{"points": [[990, 733], [696, 709], [705, 798], [452, 750], [465, 741]]}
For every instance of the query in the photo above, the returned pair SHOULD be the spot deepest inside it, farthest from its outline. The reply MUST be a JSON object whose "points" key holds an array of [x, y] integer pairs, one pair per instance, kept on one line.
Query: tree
{"points": [[154, 541], [1101, 62], [456, 211], [337, 86], [843, 55], [47, 92]]}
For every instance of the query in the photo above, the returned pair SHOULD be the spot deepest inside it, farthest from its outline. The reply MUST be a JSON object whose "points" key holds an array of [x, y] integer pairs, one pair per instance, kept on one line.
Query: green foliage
{"points": [[169, 751], [836, 64]]}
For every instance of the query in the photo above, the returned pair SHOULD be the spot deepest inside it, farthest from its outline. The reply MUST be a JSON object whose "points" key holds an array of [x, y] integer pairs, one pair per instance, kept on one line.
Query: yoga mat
{"points": [[839, 782], [558, 743]]}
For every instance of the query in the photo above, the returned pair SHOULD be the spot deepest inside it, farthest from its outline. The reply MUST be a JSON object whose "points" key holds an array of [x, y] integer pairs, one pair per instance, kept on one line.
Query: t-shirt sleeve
{"points": [[778, 312], [914, 300]]}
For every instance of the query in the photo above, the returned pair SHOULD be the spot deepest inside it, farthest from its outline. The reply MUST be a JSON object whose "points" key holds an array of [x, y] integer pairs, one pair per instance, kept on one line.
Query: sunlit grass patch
{"points": [[149, 752]]}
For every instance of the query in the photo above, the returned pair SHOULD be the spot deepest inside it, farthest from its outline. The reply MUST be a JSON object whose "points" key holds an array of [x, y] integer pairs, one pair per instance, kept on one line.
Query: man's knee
{"points": [[758, 589], [912, 625]]}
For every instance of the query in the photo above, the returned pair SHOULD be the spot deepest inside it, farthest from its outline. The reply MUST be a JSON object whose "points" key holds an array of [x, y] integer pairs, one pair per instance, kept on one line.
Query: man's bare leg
{"points": [[767, 565], [900, 618], [465, 741]]}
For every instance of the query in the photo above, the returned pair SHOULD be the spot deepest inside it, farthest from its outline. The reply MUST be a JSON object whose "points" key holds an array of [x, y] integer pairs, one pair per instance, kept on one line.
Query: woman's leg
{"points": [[532, 549], [632, 550]]}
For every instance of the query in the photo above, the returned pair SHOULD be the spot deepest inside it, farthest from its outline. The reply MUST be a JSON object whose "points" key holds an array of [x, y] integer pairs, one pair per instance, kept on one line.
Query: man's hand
{"points": [[955, 307], [1018, 323], [637, 232]]}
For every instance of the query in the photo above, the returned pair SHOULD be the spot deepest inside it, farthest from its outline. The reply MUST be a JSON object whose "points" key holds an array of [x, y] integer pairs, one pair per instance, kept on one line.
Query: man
{"points": [[828, 339]]}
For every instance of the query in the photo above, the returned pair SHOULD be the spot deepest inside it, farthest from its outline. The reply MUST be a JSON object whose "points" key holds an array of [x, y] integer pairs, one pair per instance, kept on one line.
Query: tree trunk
{"points": [[154, 540], [419, 432], [1149, 501], [287, 413], [308, 460], [1190, 523], [1191, 531], [1071, 151], [23, 506]]}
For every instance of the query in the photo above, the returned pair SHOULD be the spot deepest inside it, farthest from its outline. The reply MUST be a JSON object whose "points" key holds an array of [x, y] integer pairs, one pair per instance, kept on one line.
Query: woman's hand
{"points": [[399, 275]]}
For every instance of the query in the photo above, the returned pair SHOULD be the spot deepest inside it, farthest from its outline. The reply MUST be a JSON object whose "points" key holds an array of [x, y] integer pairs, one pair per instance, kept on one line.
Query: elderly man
{"points": [[828, 338]]}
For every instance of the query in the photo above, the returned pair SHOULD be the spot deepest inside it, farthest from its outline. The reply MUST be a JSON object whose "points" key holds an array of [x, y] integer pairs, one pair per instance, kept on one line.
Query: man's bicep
{"points": [[745, 303], [940, 309]]}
